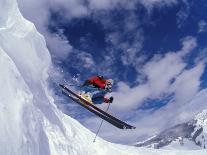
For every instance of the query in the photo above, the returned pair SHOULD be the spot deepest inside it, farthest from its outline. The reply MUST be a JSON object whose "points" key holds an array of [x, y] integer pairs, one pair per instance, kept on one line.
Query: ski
{"points": [[125, 125], [109, 120]]}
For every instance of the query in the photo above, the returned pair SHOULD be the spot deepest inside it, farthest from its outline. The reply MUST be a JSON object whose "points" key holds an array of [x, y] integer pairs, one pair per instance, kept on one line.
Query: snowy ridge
{"points": [[191, 135], [175, 135], [30, 122], [202, 118]]}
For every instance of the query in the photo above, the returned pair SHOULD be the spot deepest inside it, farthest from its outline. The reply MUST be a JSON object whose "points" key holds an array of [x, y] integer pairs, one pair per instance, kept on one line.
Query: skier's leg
{"points": [[98, 100], [97, 97]]}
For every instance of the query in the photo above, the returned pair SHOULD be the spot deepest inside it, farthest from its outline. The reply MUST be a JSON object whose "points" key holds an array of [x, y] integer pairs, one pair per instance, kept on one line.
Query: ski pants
{"points": [[97, 95]]}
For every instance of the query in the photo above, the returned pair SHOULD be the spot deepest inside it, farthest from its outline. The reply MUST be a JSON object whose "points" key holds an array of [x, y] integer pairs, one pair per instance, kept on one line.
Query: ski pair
{"points": [[92, 108]]}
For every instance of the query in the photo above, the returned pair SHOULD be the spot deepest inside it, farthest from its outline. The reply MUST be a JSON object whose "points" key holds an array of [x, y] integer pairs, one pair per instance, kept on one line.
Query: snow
{"points": [[30, 122], [186, 145], [201, 119]]}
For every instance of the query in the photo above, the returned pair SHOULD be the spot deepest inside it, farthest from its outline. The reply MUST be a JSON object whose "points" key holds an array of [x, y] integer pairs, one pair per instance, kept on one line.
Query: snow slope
{"points": [[30, 123]]}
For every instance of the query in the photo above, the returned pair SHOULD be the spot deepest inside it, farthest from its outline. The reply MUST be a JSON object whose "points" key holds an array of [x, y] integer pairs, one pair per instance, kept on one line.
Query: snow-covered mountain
{"points": [[30, 123], [186, 136]]}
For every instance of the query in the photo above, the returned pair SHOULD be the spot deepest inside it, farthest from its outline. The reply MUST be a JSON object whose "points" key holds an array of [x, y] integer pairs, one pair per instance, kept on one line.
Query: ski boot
{"points": [[85, 96]]}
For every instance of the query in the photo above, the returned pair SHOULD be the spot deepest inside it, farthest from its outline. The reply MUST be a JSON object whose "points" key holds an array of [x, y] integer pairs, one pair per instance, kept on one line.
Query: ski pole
{"points": [[100, 125]]}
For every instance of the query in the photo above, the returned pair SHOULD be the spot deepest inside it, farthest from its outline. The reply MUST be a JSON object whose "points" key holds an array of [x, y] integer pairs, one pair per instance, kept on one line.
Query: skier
{"points": [[98, 87], [95, 88]]}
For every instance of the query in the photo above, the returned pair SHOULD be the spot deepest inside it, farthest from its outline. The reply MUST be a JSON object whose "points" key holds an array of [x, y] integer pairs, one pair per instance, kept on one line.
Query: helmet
{"points": [[109, 84], [110, 81]]}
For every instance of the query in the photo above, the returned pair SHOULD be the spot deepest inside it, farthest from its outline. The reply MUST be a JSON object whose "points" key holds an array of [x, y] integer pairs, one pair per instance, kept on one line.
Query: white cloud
{"points": [[86, 59], [126, 100], [111, 4], [129, 56], [59, 46], [102, 4], [160, 72], [187, 84], [183, 14], [202, 56], [189, 43], [129, 45], [202, 26], [150, 4], [69, 8]]}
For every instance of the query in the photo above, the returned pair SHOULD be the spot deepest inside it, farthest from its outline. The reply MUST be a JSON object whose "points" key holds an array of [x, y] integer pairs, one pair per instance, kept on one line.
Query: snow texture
{"points": [[30, 122]]}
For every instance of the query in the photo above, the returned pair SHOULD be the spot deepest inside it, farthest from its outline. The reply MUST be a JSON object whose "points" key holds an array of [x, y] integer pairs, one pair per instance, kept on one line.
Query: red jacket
{"points": [[97, 81]]}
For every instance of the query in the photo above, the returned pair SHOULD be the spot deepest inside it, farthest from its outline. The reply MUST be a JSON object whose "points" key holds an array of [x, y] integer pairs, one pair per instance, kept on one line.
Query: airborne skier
{"points": [[95, 88], [92, 91]]}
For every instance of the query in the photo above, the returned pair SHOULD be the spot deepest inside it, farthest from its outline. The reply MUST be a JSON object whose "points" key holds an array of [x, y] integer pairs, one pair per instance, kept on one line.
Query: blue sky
{"points": [[154, 50]]}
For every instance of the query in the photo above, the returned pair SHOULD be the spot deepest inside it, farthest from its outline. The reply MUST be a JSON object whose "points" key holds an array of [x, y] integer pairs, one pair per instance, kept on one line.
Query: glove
{"points": [[111, 99]]}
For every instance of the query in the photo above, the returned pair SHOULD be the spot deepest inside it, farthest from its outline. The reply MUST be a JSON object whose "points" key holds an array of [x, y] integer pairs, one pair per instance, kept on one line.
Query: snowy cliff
{"points": [[30, 123]]}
